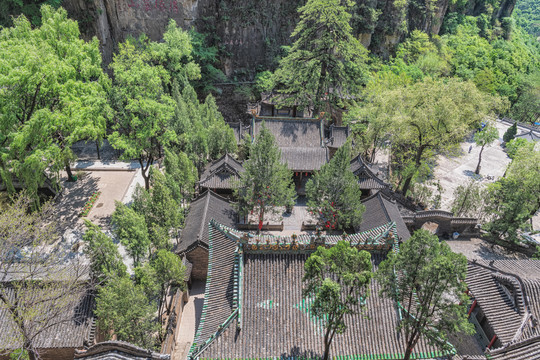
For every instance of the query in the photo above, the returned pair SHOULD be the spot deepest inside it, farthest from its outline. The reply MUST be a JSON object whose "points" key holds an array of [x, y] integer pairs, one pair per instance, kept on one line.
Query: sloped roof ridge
{"points": [[364, 166], [123, 346]]}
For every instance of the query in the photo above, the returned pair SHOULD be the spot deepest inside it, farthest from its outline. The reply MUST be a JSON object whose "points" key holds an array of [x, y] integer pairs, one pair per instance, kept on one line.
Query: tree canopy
{"points": [[336, 283], [325, 66], [428, 281], [52, 94], [333, 193], [267, 183]]}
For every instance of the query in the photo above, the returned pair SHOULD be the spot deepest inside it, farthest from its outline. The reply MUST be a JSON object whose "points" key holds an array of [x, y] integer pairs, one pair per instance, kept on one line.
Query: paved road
{"points": [[191, 316]]}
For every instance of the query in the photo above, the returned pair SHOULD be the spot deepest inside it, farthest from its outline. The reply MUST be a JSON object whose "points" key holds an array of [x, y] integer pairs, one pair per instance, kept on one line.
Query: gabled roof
{"points": [[338, 136], [508, 292], [254, 306], [72, 322], [206, 207], [222, 173], [529, 135], [381, 209], [304, 158], [113, 350], [292, 132], [367, 179]]}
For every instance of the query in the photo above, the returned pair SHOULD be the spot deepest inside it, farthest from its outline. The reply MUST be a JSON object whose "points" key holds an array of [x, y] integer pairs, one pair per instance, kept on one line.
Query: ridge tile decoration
{"points": [[506, 294], [254, 306]]}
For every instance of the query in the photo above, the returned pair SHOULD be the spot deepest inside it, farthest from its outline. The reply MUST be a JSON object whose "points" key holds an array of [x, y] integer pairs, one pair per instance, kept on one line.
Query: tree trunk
{"points": [[97, 149], [477, 171], [327, 343], [32, 354], [408, 353], [71, 178], [316, 107], [408, 180]]}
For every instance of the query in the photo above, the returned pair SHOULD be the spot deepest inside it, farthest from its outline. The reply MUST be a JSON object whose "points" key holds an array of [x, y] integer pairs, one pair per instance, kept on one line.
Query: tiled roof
{"points": [[338, 136], [367, 179], [254, 306], [529, 135], [380, 209], [113, 350], [220, 285], [221, 174], [71, 322], [292, 133], [206, 207], [508, 292], [525, 350], [304, 158]]}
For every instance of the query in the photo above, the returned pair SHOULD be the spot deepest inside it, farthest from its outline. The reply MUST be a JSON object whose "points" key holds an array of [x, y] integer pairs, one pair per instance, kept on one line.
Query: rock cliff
{"points": [[249, 33]]}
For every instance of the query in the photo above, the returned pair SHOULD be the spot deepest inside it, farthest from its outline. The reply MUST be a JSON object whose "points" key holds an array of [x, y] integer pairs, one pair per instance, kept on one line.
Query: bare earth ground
{"points": [[452, 172]]}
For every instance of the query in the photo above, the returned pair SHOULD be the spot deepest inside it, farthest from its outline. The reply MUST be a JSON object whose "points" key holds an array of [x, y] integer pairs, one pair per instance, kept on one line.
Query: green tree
{"points": [[430, 117], [334, 194], [124, 310], [527, 106], [515, 198], [514, 145], [267, 183], [162, 213], [170, 272], [181, 175], [174, 53], [105, 260], [427, 280], [130, 229], [53, 94], [485, 137], [143, 109], [469, 200], [326, 64], [336, 284], [202, 133], [510, 133]]}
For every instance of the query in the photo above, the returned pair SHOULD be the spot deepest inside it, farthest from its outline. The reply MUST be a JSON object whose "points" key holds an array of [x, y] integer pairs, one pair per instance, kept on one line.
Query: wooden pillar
{"points": [[472, 308], [492, 341]]}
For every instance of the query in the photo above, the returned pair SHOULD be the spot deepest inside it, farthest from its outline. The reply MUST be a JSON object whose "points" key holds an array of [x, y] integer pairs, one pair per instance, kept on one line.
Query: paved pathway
{"points": [[190, 321]]}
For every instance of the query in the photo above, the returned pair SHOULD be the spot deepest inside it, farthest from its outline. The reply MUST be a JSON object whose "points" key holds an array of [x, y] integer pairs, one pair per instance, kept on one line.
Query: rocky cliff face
{"points": [[249, 33]]}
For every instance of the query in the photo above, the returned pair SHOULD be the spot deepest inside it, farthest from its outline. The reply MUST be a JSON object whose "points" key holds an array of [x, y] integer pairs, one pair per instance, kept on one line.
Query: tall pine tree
{"points": [[326, 63], [334, 194], [267, 183]]}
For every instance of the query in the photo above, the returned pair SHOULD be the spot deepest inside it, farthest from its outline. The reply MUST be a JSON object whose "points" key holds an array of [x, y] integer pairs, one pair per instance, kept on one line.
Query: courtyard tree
{"points": [[514, 199], [510, 133], [180, 174], [428, 281], [430, 117], [336, 282], [45, 294], [469, 200], [130, 229], [125, 312], [170, 272], [105, 260], [202, 133], [485, 137], [333, 193], [326, 63], [267, 183], [142, 107], [52, 94]]}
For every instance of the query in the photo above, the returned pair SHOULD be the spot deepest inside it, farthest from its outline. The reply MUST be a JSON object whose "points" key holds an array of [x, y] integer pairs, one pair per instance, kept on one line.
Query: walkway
{"points": [[190, 321]]}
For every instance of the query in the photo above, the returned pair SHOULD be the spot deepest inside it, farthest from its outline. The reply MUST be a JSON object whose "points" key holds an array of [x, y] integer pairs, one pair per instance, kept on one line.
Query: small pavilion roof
{"points": [[367, 179], [207, 206], [381, 209], [222, 173]]}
